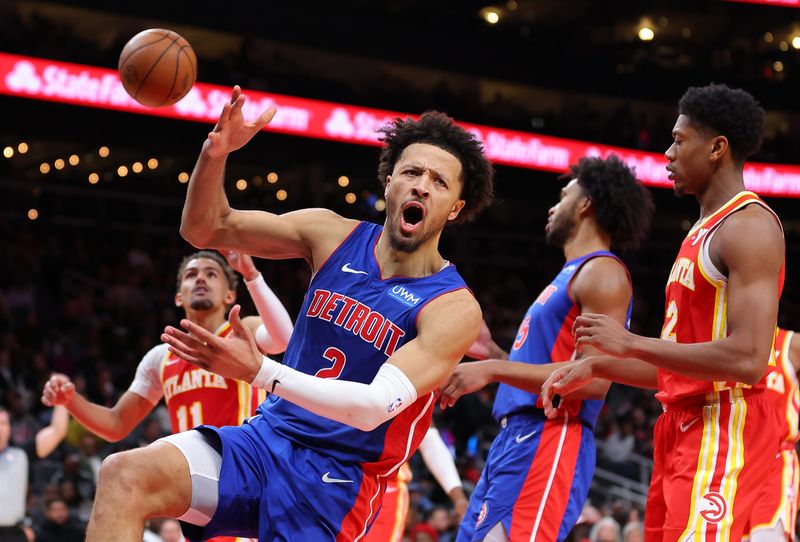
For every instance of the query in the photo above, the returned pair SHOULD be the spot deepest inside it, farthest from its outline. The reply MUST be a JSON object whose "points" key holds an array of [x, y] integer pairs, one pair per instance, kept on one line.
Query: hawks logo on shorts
{"points": [[712, 507]]}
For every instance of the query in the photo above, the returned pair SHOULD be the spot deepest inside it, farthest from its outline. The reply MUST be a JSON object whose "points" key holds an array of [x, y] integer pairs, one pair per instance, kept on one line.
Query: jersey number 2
{"points": [[338, 359], [196, 410], [668, 332]]}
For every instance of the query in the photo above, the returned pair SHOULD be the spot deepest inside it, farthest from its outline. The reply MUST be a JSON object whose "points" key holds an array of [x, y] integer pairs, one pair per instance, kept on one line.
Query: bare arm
{"points": [[601, 285], [112, 424], [209, 221], [750, 246], [51, 436]]}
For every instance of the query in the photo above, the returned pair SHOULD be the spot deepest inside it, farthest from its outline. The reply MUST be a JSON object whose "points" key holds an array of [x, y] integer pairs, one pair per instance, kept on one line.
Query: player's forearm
{"points": [[274, 335], [363, 406], [102, 421], [530, 377], [439, 461], [206, 205], [496, 352], [628, 371], [722, 360], [51, 436]]}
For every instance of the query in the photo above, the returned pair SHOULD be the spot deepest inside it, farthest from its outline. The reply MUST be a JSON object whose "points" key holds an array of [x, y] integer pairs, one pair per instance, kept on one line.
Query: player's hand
{"points": [[563, 381], [480, 349], [467, 378], [235, 356], [603, 333], [58, 390], [242, 263], [460, 503], [232, 132]]}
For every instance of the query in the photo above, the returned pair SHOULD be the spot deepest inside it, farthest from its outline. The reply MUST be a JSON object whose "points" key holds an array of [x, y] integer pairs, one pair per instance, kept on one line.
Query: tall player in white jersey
{"points": [[385, 321]]}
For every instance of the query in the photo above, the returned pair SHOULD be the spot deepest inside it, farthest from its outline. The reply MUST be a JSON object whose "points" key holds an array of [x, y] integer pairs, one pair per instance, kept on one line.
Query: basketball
{"points": [[157, 67]]}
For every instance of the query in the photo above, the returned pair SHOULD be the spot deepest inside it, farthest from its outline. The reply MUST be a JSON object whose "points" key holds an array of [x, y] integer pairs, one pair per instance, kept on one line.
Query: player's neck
{"points": [[422, 262], [587, 239], [721, 188], [208, 320]]}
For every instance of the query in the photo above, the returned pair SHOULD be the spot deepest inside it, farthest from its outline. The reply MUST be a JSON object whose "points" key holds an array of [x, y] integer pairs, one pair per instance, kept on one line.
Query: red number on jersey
{"points": [[338, 358]]}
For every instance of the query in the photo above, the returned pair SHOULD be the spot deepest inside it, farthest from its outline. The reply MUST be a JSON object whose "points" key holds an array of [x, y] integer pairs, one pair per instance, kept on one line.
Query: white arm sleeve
{"points": [[147, 382], [363, 406], [439, 460], [273, 335]]}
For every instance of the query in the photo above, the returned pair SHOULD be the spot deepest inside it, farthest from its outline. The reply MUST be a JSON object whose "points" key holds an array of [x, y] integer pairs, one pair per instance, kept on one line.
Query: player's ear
{"points": [[386, 185], [585, 205], [229, 298], [178, 299], [457, 206], [719, 146]]}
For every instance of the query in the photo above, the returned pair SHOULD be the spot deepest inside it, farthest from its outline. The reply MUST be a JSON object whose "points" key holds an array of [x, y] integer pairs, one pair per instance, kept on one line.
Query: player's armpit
{"points": [[446, 328]]}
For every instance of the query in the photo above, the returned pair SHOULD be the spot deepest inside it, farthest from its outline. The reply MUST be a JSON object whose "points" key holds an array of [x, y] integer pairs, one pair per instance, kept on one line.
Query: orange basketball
{"points": [[157, 67]]}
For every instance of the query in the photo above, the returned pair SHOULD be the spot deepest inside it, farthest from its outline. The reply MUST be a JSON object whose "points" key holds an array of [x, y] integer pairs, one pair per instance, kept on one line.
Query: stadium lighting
{"points": [[646, 33]]}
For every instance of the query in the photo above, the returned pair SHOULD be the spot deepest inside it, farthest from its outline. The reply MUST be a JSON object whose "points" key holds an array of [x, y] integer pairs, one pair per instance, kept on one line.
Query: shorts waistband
{"points": [[712, 398], [536, 414]]}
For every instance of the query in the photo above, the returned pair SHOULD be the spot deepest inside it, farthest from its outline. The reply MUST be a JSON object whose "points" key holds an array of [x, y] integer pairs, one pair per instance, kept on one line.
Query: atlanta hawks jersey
{"points": [[350, 322], [696, 301], [782, 388], [193, 395], [545, 336]]}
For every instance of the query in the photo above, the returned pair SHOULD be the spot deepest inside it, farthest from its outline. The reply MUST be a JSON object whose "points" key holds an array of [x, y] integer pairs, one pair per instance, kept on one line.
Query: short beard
{"points": [[559, 233], [403, 244], [201, 304]]}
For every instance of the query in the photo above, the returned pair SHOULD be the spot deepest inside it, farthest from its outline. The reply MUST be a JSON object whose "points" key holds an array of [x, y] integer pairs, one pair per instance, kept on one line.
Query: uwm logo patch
{"points": [[403, 295]]}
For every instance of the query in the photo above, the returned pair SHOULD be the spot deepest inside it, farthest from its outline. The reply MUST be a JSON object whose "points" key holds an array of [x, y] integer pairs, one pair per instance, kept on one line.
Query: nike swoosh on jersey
{"points": [[347, 269], [328, 480], [686, 427], [522, 438]]}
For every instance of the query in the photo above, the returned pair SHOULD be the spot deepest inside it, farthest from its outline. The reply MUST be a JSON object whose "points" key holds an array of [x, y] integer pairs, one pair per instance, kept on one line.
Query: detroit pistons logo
{"points": [[482, 514], [713, 507], [522, 334]]}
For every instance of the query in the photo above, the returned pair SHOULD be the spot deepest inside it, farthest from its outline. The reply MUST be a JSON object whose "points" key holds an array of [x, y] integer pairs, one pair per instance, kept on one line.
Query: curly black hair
{"points": [[230, 275], [435, 128], [623, 207], [731, 112]]}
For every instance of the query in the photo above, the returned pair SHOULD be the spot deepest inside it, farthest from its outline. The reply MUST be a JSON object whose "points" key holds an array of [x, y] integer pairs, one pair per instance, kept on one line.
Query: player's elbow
{"points": [[194, 234], [752, 368], [367, 422]]}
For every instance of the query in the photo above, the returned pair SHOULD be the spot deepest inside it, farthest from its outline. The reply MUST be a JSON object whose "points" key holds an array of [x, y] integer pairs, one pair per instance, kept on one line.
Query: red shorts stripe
{"points": [[541, 504], [367, 504]]}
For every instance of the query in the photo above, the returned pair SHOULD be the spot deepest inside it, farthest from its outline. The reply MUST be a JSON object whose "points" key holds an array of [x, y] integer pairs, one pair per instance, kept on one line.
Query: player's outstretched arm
{"points": [[47, 438], [440, 463], [446, 327], [600, 286], [208, 221], [111, 424], [273, 328], [570, 379], [750, 248]]}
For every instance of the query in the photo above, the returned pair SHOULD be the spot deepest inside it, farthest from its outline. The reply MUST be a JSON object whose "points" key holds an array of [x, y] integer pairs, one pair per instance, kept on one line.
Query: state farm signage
{"points": [[97, 87]]}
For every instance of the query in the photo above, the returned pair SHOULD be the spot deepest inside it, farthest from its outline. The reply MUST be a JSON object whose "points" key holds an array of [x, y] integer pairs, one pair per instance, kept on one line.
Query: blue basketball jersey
{"points": [[350, 323], [545, 336]]}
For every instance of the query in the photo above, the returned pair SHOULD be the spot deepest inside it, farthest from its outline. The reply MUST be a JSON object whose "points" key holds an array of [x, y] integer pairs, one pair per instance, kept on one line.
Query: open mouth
{"points": [[413, 213], [200, 290]]}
